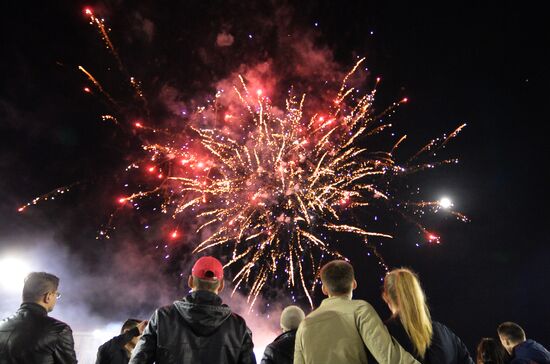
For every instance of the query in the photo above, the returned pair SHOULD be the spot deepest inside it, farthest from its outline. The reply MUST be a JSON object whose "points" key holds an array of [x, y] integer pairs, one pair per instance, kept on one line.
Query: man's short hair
{"points": [[338, 276], [206, 285], [129, 324], [291, 318], [37, 284], [512, 332]]}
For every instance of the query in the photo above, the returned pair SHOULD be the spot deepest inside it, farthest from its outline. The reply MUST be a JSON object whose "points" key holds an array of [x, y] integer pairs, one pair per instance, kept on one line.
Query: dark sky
{"points": [[477, 62]]}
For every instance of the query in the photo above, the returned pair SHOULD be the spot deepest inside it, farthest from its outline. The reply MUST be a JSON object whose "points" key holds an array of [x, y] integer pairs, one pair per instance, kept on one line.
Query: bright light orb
{"points": [[445, 202], [12, 273]]}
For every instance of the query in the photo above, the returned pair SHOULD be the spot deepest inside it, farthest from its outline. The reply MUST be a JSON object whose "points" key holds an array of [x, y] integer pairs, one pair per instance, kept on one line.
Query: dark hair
{"points": [[205, 285], [491, 351], [37, 284], [129, 324], [511, 331], [338, 276]]}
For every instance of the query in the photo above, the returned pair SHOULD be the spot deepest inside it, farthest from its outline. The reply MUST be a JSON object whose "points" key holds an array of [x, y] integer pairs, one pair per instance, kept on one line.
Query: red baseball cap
{"points": [[208, 268]]}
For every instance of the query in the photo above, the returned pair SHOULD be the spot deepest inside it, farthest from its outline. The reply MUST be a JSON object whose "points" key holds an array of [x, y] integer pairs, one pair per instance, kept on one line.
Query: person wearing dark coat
{"points": [[30, 335], [198, 329], [118, 349], [429, 341], [523, 351], [445, 346], [281, 350]]}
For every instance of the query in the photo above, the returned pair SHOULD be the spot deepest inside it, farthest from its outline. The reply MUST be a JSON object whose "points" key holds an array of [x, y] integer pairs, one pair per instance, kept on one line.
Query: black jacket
{"points": [[198, 329], [281, 350], [446, 347], [30, 336], [529, 352], [113, 351]]}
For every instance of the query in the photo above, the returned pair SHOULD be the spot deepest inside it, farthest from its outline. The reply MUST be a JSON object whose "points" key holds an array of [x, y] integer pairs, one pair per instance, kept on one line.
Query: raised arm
{"points": [[377, 339], [145, 351]]}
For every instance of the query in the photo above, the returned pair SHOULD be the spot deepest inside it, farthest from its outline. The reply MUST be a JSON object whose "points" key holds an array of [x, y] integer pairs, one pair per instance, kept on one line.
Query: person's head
{"points": [[129, 325], [206, 275], [406, 300], [511, 335], [41, 288], [489, 351], [338, 279], [291, 318]]}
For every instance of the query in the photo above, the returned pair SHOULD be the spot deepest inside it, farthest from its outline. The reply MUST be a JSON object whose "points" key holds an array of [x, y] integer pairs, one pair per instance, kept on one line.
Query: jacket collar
{"points": [[203, 298], [335, 300], [34, 308], [285, 334]]}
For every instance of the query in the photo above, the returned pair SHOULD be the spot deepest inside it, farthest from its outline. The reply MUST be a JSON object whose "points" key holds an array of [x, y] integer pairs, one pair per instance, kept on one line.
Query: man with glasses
{"points": [[30, 335]]}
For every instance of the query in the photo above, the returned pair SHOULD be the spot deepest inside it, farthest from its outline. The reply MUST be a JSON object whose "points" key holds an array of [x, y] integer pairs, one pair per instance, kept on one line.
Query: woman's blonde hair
{"points": [[402, 288]]}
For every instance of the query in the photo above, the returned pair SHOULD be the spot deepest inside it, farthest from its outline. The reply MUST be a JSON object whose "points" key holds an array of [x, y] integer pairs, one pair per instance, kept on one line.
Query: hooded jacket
{"points": [[529, 352], [281, 350], [197, 329], [31, 336]]}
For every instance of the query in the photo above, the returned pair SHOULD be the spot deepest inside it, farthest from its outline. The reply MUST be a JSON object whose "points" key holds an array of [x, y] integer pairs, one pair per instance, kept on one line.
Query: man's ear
{"points": [[47, 298], [190, 282], [354, 286], [324, 289], [220, 288]]}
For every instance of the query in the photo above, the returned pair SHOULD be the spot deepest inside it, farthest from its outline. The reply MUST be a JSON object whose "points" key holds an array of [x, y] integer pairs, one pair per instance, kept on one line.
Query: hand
{"points": [[141, 326]]}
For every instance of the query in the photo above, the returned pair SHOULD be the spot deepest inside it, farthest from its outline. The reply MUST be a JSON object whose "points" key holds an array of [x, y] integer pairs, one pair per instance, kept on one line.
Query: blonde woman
{"points": [[412, 326]]}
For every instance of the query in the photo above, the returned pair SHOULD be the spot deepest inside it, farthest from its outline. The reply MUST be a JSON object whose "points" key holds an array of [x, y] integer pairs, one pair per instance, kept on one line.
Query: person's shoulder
{"points": [[237, 318], [166, 310], [56, 325], [362, 305]]}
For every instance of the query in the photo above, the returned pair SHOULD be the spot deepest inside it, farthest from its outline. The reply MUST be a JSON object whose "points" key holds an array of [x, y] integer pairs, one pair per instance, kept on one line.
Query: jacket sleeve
{"points": [[64, 350], [298, 347], [145, 351], [247, 350], [126, 337], [377, 339], [268, 358], [463, 355]]}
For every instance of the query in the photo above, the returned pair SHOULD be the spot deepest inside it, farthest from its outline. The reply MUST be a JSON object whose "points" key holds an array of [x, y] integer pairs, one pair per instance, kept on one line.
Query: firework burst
{"points": [[269, 185]]}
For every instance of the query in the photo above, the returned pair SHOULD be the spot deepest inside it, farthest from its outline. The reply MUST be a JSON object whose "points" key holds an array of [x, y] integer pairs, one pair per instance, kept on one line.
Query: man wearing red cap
{"points": [[198, 328]]}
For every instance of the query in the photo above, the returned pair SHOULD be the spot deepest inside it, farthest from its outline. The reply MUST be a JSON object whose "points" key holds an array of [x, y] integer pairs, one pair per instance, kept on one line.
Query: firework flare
{"points": [[269, 185]]}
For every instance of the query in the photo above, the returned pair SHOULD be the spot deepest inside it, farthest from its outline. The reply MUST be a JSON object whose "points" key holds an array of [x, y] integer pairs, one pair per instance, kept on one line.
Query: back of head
{"points": [[37, 284], [291, 318], [129, 324], [402, 288], [512, 332], [490, 351], [207, 274], [338, 277]]}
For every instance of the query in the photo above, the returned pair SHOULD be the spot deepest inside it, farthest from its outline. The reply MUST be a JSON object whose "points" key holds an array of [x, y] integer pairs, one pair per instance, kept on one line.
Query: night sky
{"points": [[477, 62]]}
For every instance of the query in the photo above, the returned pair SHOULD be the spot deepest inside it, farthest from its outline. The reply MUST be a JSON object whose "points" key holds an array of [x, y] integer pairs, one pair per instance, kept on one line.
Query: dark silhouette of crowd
{"points": [[200, 328]]}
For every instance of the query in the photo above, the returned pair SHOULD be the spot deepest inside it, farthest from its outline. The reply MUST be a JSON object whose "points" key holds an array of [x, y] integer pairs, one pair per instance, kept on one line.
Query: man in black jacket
{"points": [[197, 329], [30, 335], [523, 351], [281, 350], [118, 349]]}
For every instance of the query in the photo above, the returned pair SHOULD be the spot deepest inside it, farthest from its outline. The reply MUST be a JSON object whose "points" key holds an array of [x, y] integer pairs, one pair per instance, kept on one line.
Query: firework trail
{"points": [[270, 185]]}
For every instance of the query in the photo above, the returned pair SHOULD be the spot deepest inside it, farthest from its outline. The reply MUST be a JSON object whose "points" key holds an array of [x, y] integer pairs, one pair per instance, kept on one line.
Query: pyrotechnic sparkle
{"points": [[274, 183], [270, 184]]}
